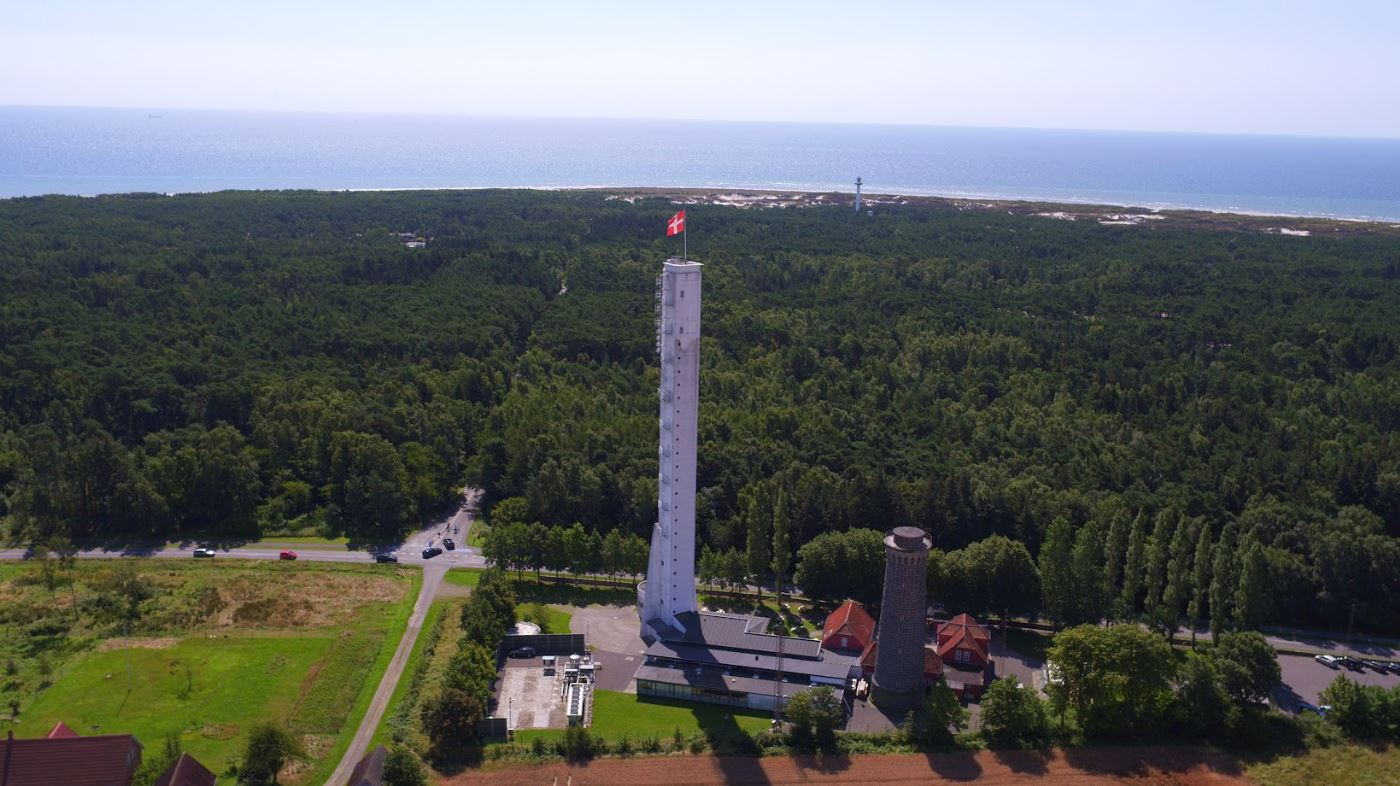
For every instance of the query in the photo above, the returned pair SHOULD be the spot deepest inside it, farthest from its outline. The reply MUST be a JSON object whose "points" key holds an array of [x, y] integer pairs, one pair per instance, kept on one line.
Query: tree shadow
{"points": [[1131, 761], [1024, 762], [824, 763], [955, 766]]}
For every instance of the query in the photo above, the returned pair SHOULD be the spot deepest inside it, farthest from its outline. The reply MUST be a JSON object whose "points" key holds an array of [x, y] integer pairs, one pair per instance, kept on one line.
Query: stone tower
{"points": [[669, 589], [899, 658]]}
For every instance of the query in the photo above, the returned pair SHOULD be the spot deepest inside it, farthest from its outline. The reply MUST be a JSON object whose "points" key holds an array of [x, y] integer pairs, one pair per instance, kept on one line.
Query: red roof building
{"points": [[963, 642], [65, 759], [187, 771], [850, 628]]}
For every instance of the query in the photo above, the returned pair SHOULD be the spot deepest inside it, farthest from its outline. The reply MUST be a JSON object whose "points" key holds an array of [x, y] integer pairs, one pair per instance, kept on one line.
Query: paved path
{"points": [[359, 745]]}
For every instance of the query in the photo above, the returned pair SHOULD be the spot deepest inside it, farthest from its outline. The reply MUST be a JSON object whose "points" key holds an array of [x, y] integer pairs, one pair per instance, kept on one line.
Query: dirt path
{"points": [[1157, 766], [432, 578]]}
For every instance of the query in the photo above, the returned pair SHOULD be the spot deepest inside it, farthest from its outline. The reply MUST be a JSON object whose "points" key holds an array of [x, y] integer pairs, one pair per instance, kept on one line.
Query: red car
{"points": [[287, 554]]}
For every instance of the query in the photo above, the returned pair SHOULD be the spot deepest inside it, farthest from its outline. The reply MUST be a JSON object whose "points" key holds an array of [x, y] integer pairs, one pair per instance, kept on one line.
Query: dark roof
{"points": [[105, 760], [857, 623], [186, 771], [739, 632], [829, 665], [717, 681], [370, 770]]}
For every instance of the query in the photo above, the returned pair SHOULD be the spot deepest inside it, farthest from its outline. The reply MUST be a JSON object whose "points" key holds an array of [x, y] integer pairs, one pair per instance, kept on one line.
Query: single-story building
{"points": [[65, 759], [187, 771], [963, 642]]}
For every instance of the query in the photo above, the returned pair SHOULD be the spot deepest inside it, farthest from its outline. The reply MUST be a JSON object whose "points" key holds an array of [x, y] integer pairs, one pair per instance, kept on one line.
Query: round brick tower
{"points": [[899, 657]]}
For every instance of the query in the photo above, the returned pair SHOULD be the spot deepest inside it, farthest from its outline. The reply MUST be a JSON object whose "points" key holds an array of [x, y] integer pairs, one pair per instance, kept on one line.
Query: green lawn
{"points": [[616, 714], [211, 686], [235, 683]]}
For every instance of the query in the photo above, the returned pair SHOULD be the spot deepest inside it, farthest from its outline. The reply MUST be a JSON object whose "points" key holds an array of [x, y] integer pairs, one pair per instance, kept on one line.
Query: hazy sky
{"points": [[1223, 65]]}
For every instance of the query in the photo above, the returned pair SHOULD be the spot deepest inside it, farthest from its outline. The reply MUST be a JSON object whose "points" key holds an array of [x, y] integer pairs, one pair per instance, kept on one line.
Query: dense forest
{"points": [[225, 365]]}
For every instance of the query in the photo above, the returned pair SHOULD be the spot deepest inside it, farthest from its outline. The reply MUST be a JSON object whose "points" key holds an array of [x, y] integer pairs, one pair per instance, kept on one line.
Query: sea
{"points": [[90, 151]]}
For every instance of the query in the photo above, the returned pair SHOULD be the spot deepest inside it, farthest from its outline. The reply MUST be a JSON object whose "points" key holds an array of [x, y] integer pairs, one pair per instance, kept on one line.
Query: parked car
{"points": [[431, 551], [448, 544], [1393, 667], [1330, 661], [203, 552], [523, 652], [382, 558], [1377, 666], [1351, 663], [287, 554]]}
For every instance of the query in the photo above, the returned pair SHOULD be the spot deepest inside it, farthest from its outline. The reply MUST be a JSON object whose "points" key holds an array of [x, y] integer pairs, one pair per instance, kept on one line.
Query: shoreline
{"points": [[769, 197]]}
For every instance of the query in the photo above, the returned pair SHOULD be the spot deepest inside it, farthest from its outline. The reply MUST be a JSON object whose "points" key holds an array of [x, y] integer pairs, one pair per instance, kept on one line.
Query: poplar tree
{"points": [[782, 544], [1056, 571], [1223, 581], [1087, 566], [1158, 554], [1249, 597], [757, 553], [1178, 589], [1115, 549], [1132, 568], [1200, 580]]}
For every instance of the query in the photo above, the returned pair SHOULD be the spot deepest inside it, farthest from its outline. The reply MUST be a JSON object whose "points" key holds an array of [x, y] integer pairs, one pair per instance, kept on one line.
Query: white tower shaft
{"points": [[670, 584]]}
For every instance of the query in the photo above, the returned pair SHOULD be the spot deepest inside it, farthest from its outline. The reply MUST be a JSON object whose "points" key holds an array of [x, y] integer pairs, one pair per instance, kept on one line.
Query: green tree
{"points": [[1134, 567], [1057, 572], [1087, 571], [1158, 555], [450, 721], [1201, 572], [1251, 596], [782, 543], [1115, 550], [813, 717], [270, 747], [155, 763], [403, 768], [1118, 679], [1224, 580], [1204, 703], [944, 716], [368, 488], [1013, 715], [1179, 587], [1248, 667], [760, 541], [471, 670], [839, 565]]}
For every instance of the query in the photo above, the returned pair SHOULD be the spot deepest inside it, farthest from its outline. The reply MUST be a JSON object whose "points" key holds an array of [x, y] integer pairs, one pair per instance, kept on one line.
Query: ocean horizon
{"points": [[91, 151]]}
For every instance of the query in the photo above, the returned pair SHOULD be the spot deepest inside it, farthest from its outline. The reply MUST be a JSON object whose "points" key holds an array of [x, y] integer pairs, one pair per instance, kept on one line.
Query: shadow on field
{"points": [[1030, 763], [1126, 761], [955, 766]]}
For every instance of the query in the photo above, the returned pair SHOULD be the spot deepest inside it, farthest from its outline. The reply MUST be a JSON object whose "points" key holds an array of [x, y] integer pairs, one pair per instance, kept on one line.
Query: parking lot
{"points": [[1304, 679]]}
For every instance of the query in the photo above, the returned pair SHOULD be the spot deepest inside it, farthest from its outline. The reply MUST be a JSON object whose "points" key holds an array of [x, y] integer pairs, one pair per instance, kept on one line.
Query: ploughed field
{"points": [[1158, 766], [202, 650]]}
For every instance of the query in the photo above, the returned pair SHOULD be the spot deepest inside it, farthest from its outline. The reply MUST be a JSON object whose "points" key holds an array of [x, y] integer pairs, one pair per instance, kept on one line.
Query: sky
{"points": [[1232, 66]]}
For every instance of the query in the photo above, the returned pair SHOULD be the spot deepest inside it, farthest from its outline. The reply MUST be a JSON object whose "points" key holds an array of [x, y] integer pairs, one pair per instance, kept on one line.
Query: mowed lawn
{"points": [[617, 714], [1349, 763]]}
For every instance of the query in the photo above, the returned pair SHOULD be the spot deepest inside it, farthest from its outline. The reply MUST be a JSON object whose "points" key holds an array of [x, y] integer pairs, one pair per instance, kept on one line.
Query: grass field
{"points": [[382, 734], [220, 647], [1335, 765]]}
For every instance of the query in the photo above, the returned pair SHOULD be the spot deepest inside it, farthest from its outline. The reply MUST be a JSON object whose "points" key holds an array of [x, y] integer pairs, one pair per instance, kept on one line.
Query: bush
{"points": [[1013, 715], [578, 744]]}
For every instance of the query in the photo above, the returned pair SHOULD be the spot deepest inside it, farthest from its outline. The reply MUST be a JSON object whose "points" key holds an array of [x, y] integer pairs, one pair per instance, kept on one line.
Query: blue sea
{"points": [[103, 151]]}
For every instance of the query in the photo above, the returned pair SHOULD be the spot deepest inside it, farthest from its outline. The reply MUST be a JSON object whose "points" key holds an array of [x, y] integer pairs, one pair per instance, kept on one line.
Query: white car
{"points": [[1330, 661]]}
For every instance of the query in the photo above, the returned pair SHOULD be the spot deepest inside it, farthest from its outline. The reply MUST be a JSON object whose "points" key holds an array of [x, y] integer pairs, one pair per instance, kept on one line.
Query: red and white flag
{"points": [[676, 225]]}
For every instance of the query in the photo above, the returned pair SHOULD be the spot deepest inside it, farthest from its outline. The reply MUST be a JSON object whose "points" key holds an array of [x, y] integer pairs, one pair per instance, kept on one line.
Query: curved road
{"points": [[409, 553]]}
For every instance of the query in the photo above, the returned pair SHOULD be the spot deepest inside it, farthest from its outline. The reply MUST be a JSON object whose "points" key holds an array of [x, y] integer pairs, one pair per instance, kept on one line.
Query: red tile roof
{"points": [[106, 760], [963, 631], [61, 731], [186, 771], [849, 619]]}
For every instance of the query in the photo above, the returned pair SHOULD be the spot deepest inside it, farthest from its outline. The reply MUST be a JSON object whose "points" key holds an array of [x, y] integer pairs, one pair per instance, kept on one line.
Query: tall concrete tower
{"points": [[899, 658], [669, 589], [858, 184]]}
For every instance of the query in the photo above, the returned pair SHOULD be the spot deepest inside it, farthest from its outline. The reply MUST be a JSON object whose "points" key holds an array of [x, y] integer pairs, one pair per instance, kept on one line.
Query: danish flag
{"points": [[676, 225]]}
